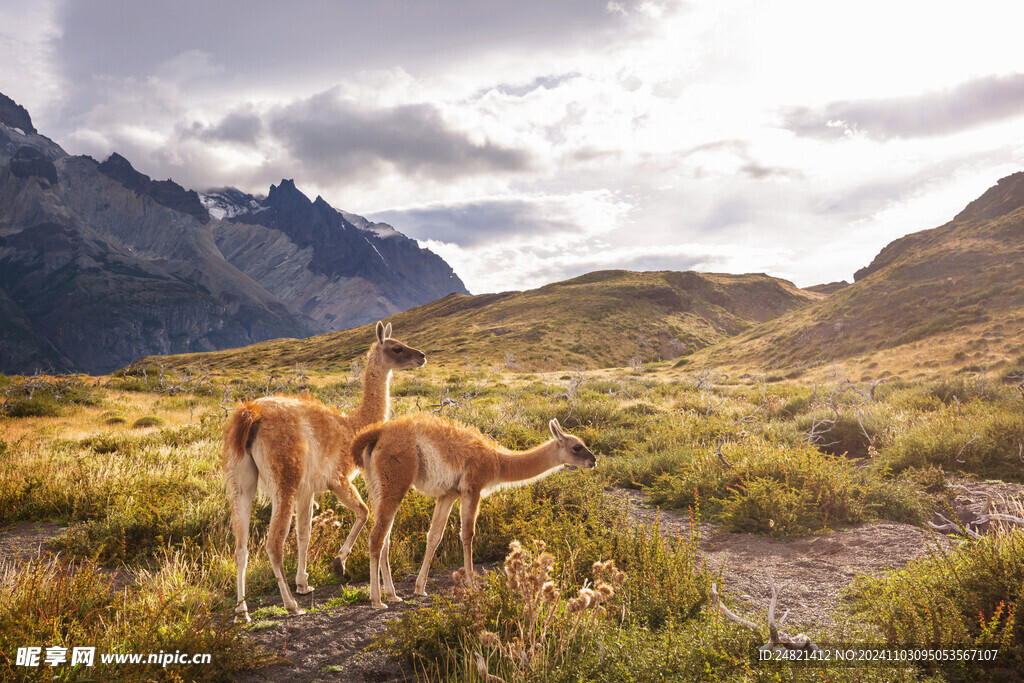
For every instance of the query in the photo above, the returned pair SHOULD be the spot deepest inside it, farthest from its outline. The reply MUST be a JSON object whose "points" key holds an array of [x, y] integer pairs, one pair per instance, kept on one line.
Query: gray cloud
{"points": [[337, 139], [480, 223], [750, 168], [938, 113], [280, 41], [240, 127], [523, 89]]}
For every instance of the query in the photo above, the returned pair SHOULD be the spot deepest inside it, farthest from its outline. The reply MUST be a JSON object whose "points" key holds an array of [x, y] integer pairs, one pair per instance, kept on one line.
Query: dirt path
{"points": [[327, 645], [816, 568], [27, 540]]}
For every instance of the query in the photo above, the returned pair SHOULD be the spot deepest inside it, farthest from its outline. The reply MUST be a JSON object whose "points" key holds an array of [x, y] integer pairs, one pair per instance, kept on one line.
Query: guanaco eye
{"points": [[396, 351], [577, 448]]}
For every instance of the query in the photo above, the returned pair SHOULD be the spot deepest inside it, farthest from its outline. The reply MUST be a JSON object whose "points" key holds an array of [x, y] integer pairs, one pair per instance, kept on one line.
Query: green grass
{"points": [[177, 607], [153, 501]]}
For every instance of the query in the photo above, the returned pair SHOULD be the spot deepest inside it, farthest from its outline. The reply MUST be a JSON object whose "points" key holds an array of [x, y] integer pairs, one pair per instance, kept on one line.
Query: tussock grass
{"points": [[149, 421], [57, 604], [782, 490]]}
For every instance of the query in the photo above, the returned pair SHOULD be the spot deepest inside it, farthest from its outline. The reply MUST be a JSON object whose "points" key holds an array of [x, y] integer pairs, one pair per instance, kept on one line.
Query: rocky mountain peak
{"points": [[14, 115], [165, 192], [1003, 198]]}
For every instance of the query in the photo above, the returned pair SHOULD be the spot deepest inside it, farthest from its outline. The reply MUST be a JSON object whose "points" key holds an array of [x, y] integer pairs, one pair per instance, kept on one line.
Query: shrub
{"points": [[149, 421], [524, 608], [56, 604], [780, 490], [971, 596], [978, 437], [45, 397]]}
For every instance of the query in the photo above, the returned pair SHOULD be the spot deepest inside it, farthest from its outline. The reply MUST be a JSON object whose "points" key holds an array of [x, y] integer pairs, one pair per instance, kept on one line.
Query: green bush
{"points": [[781, 490], [978, 437], [37, 397], [971, 596]]}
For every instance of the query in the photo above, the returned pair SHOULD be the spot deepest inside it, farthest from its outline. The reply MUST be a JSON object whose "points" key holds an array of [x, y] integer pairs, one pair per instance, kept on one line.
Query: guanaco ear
{"points": [[387, 331], [380, 332], [556, 429]]}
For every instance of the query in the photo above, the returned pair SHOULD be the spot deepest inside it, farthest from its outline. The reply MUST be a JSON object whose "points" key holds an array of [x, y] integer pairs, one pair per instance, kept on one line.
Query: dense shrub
{"points": [[972, 595]]}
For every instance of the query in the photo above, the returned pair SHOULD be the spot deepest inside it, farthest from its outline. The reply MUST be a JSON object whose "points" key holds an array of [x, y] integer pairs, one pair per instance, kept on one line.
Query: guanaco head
{"points": [[571, 450], [394, 355]]}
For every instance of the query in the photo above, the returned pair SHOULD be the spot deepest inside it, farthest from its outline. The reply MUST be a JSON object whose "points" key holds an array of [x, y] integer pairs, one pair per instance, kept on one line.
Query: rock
{"points": [[14, 115]]}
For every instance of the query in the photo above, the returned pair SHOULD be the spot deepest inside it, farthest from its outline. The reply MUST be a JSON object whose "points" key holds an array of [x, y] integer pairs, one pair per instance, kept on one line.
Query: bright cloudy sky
{"points": [[531, 141]]}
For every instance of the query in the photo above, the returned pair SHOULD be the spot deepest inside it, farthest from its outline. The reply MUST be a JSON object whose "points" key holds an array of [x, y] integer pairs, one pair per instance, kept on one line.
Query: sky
{"points": [[534, 141]]}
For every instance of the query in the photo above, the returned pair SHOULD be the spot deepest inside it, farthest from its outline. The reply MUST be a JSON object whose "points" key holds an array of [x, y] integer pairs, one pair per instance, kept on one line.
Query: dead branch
{"points": [[730, 615], [953, 527], [965, 448], [718, 452], [778, 640]]}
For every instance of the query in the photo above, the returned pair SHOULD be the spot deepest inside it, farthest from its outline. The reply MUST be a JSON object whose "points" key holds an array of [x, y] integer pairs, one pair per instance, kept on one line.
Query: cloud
{"points": [[967, 105], [733, 157], [523, 89], [284, 41], [242, 127], [475, 223], [337, 139], [545, 222]]}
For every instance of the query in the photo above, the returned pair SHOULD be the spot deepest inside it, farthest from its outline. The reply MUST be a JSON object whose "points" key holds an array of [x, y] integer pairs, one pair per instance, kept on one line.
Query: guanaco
{"points": [[295, 449], [446, 461]]}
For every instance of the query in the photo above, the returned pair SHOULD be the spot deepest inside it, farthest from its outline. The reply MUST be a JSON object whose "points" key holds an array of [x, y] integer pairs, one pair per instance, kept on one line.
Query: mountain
{"points": [[338, 268], [952, 295], [100, 264], [601, 319]]}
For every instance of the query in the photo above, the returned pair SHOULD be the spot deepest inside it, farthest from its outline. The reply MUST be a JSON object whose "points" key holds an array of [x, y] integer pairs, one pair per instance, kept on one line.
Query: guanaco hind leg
{"points": [[242, 489], [442, 508], [303, 524], [348, 496]]}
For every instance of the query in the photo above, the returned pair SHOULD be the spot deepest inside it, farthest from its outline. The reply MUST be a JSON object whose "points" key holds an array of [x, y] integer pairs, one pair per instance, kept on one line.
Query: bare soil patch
{"points": [[27, 540], [329, 644], [816, 568]]}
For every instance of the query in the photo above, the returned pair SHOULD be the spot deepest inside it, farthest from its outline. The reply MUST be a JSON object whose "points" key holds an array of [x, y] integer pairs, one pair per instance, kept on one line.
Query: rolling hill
{"points": [[601, 319], [950, 297]]}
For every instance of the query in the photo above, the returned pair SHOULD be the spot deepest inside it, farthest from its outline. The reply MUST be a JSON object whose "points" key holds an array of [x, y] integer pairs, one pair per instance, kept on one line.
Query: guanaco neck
{"points": [[376, 399], [519, 467]]}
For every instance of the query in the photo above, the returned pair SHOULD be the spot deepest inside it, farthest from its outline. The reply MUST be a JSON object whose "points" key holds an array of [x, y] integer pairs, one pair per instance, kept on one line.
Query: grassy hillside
{"points": [[950, 297], [602, 319]]}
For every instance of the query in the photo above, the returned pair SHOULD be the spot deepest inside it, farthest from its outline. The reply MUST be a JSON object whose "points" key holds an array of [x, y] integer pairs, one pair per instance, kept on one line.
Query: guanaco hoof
{"points": [[303, 590], [339, 566]]}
